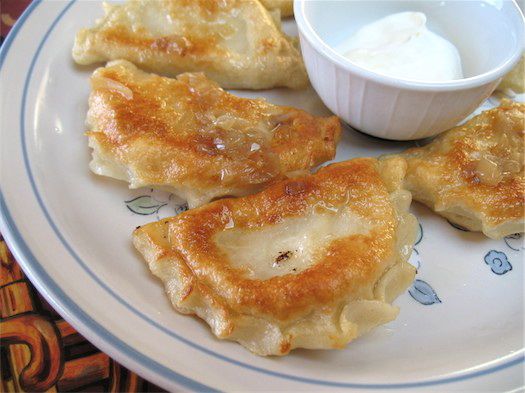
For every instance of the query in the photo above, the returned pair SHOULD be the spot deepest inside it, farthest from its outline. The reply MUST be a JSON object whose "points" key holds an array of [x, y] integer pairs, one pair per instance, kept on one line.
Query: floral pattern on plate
{"points": [[421, 291], [498, 262]]}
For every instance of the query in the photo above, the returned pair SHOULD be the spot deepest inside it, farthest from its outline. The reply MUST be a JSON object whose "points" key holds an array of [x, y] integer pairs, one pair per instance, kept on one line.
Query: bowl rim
{"points": [[307, 32]]}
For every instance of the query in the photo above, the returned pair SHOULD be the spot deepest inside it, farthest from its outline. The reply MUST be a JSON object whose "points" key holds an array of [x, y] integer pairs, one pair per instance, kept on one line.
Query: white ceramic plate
{"points": [[460, 327]]}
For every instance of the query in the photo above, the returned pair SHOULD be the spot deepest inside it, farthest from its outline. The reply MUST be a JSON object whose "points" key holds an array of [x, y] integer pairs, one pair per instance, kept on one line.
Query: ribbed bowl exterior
{"points": [[385, 111]]}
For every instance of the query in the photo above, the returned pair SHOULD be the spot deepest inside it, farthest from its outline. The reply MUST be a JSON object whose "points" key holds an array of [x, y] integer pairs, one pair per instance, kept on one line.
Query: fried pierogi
{"points": [[310, 262], [236, 43], [192, 138], [473, 174], [284, 6]]}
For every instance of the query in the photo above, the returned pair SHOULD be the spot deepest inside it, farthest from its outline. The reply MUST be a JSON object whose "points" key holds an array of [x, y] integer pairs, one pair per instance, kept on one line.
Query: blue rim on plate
{"points": [[55, 294]]}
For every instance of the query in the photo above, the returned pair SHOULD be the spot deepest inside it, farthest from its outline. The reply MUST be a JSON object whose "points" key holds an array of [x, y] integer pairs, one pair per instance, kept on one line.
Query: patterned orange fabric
{"points": [[40, 351]]}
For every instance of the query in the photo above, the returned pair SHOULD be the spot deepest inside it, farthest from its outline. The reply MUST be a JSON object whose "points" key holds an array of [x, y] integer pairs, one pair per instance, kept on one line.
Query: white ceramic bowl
{"points": [[488, 34]]}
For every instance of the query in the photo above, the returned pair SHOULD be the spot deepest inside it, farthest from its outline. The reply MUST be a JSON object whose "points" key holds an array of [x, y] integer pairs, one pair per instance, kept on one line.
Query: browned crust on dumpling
{"points": [[448, 173], [189, 132], [235, 42], [346, 269]]}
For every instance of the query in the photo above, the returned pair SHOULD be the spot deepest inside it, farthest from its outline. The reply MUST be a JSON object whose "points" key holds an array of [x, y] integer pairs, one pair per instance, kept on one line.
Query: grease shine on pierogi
{"points": [[190, 137], [237, 43], [309, 262], [473, 174]]}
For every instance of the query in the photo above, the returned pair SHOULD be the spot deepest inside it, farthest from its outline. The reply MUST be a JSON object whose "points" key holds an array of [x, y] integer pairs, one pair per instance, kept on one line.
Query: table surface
{"points": [[33, 334]]}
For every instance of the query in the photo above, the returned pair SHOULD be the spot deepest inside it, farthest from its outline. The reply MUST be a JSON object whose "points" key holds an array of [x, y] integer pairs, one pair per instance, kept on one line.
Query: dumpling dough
{"points": [[515, 79], [473, 174], [192, 138], [284, 6], [236, 43], [310, 262]]}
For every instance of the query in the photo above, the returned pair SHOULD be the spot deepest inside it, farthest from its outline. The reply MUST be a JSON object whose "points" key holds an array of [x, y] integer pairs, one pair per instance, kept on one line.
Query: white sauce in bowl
{"points": [[400, 45]]}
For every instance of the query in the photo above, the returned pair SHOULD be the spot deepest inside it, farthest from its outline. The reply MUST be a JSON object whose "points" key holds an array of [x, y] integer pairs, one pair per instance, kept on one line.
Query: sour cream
{"points": [[400, 45]]}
